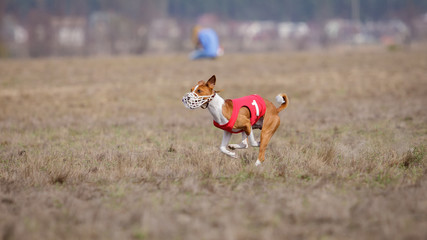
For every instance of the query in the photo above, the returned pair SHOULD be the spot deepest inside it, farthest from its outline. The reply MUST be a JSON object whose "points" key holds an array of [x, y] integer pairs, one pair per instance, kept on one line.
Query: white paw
{"points": [[229, 153], [237, 146], [232, 154], [257, 163]]}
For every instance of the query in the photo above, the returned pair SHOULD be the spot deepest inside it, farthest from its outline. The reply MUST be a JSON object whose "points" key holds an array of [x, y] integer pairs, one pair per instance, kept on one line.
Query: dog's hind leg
{"points": [[270, 126], [225, 140]]}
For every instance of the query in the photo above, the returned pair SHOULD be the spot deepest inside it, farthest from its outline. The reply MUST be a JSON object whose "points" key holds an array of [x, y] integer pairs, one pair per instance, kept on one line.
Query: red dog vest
{"points": [[254, 103]]}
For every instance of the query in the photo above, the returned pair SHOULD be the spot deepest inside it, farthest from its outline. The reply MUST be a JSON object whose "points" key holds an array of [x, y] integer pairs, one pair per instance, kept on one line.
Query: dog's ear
{"points": [[201, 82], [211, 82]]}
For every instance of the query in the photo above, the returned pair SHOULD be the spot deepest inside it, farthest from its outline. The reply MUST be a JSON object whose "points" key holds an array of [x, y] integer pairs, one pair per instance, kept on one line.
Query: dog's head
{"points": [[200, 95]]}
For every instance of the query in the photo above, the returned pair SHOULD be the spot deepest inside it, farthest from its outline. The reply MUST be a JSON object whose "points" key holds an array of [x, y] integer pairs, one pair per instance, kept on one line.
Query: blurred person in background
{"points": [[206, 44]]}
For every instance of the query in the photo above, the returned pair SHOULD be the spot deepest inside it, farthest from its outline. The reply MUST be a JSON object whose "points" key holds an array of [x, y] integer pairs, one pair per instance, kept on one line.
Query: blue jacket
{"points": [[209, 41]]}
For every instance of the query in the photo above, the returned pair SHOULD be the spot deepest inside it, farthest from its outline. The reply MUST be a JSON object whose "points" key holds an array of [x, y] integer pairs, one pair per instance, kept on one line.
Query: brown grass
{"points": [[104, 149]]}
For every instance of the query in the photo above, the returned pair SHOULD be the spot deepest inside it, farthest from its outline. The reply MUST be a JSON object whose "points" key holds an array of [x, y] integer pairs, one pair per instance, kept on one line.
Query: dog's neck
{"points": [[215, 108]]}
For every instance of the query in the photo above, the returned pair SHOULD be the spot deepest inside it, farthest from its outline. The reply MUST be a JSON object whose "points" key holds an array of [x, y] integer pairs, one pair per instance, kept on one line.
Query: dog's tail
{"points": [[283, 100]]}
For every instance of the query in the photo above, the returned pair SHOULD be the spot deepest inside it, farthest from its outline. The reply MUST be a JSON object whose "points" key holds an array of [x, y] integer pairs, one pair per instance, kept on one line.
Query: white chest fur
{"points": [[215, 108]]}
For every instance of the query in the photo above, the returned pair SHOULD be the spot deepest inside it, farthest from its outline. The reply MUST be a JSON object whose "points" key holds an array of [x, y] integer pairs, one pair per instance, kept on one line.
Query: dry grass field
{"points": [[103, 148]]}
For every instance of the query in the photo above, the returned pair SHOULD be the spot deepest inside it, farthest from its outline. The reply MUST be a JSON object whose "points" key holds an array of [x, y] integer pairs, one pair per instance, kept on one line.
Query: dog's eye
{"points": [[198, 91]]}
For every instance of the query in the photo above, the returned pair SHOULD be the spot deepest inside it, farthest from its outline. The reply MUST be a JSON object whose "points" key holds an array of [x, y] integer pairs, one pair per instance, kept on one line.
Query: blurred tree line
{"points": [[278, 10], [122, 26], [136, 9], [297, 10]]}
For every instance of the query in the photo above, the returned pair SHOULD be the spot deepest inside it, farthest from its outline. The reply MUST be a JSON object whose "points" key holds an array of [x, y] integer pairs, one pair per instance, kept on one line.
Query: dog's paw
{"points": [[228, 153], [237, 146], [231, 154], [233, 146], [257, 163]]}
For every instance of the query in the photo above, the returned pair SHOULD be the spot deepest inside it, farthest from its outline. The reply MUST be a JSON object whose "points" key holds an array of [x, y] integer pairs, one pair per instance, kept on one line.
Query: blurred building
{"points": [[15, 37], [69, 36]]}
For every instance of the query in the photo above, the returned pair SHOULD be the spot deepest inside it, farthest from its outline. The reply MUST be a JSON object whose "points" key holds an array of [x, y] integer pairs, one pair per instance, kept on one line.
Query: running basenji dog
{"points": [[238, 115]]}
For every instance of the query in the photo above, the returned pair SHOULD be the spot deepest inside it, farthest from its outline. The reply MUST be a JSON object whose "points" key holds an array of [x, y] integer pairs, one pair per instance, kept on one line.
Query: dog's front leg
{"points": [[225, 140], [252, 140], [243, 144]]}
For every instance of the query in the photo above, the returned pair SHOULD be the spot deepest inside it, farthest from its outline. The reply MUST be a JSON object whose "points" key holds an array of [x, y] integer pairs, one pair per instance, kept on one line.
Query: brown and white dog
{"points": [[241, 115]]}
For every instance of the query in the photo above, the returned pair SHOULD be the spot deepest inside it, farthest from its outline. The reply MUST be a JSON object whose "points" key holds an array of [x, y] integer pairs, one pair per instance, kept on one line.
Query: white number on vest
{"points": [[256, 107]]}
